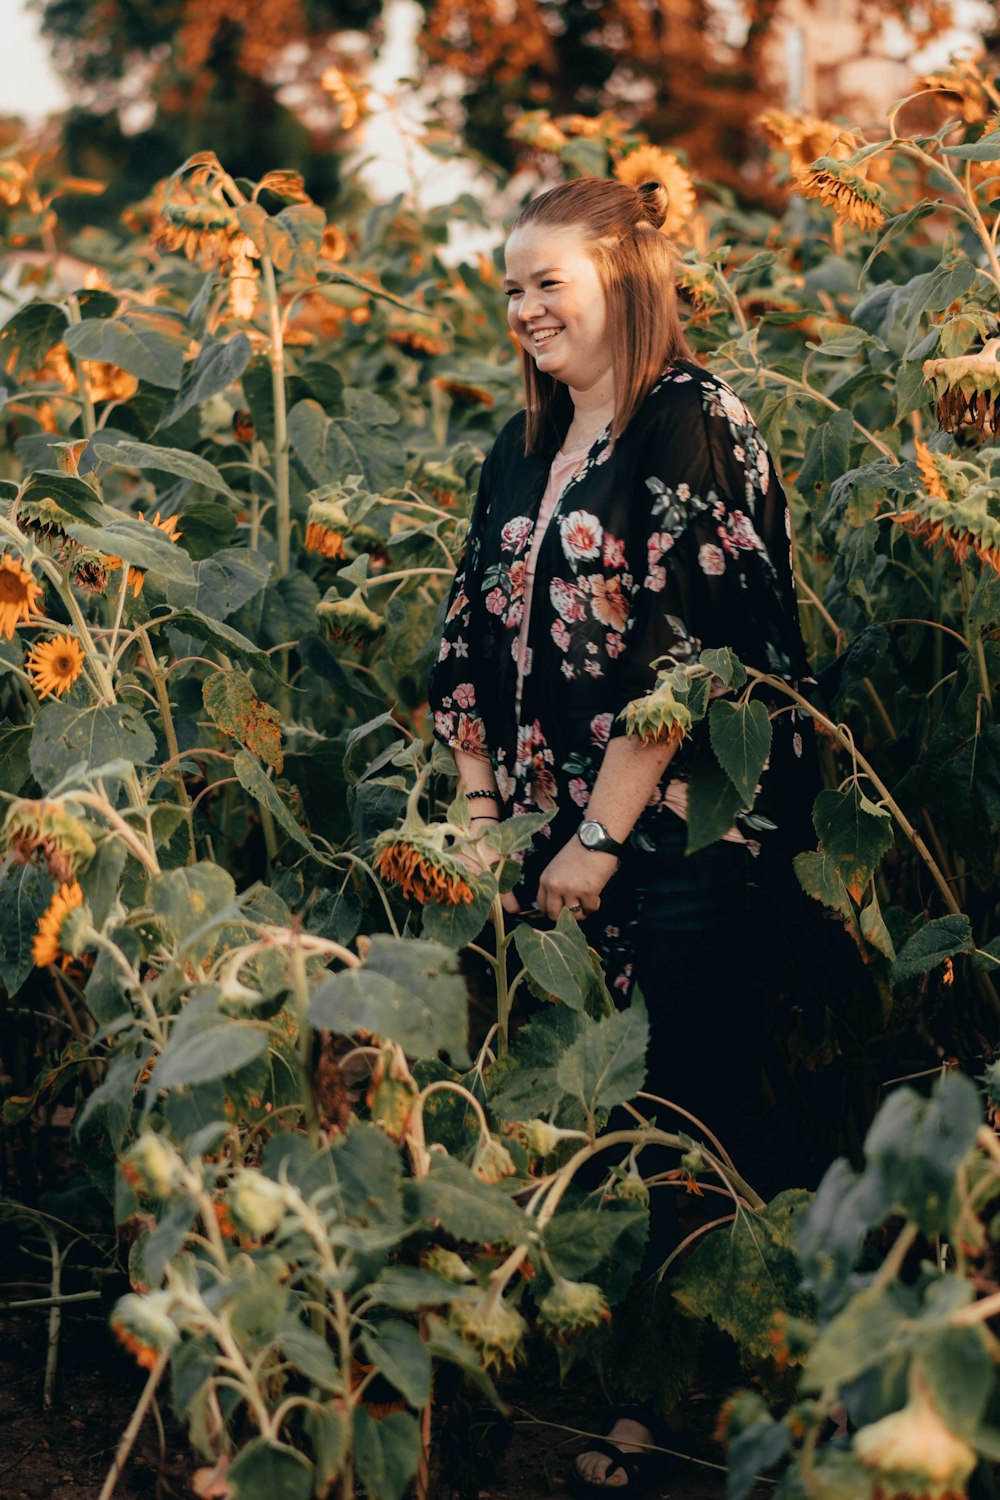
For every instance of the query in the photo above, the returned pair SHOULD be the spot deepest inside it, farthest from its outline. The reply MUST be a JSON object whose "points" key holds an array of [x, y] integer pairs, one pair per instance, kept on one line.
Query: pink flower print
{"points": [[517, 575], [613, 554], [788, 523], [582, 535], [537, 737], [515, 614], [656, 579], [460, 647], [741, 531], [471, 735], [600, 729], [797, 744], [505, 782], [739, 454], [523, 744], [567, 601], [445, 648], [568, 670], [622, 980], [594, 668], [683, 491], [465, 695], [579, 791], [613, 644], [657, 544], [711, 560], [444, 724], [496, 601], [560, 635], [763, 468], [515, 534], [542, 784]]}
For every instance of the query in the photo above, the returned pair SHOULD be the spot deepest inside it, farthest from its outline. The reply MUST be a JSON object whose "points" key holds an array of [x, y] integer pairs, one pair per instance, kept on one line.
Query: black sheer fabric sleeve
{"points": [[704, 576], [455, 692]]}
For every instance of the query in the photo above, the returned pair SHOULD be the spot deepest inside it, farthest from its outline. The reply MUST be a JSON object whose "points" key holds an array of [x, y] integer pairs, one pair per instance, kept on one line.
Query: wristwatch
{"points": [[594, 835]]}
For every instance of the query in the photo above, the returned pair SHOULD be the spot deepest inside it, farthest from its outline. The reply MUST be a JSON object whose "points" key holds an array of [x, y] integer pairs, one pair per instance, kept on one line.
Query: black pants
{"points": [[703, 949]]}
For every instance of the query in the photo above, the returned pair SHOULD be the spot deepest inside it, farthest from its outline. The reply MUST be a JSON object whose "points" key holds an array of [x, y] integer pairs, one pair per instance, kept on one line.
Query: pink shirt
{"points": [[564, 468]]}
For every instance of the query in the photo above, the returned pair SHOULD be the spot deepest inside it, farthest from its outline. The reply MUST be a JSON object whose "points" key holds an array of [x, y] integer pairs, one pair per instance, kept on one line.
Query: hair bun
{"points": [[654, 201]]}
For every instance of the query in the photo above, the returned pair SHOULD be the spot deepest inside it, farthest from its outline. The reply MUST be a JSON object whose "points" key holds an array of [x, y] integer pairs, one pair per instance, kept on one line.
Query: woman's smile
{"points": [[556, 304]]}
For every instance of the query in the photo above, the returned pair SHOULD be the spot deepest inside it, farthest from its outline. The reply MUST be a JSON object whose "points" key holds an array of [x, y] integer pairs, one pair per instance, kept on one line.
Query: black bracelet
{"points": [[483, 818], [492, 795]]}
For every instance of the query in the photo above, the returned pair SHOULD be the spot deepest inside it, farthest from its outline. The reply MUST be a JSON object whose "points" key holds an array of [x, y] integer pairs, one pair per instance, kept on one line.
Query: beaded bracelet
{"points": [[484, 793]]}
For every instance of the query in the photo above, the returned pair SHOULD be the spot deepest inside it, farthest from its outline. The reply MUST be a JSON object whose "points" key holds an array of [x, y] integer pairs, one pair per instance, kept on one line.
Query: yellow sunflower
{"points": [[54, 665], [852, 197], [45, 946], [652, 164], [19, 596]]}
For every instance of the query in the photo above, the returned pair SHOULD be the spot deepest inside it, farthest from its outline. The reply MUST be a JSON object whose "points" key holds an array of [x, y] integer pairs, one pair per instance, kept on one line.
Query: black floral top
{"points": [[673, 539]]}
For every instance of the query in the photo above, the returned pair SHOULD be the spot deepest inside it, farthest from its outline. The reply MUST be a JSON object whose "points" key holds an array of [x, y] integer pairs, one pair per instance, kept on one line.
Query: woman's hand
{"points": [[575, 880]]}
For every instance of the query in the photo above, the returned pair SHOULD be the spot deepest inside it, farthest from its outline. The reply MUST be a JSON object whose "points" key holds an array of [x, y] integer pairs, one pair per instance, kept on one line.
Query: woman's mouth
{"points": [[543, 336]]}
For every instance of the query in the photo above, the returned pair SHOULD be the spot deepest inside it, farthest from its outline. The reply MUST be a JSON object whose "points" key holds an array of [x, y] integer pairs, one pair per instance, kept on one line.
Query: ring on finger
{"points": [[575, 907]]}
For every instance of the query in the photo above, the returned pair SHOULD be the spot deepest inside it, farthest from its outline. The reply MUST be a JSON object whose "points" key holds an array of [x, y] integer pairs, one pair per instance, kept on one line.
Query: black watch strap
{"points": [[595, 837]]}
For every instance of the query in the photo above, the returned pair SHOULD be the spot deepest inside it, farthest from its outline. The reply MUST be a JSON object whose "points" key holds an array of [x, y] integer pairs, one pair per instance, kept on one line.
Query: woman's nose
{"points": [[532, 306]]}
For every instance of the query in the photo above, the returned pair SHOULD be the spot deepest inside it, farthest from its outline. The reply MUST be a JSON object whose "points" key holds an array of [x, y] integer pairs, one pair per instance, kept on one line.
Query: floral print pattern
{"points": [[672, 539]]}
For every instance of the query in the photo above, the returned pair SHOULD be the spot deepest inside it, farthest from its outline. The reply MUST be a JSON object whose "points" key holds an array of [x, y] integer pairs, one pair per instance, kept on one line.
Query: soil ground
{"points": [[65, 1454]]}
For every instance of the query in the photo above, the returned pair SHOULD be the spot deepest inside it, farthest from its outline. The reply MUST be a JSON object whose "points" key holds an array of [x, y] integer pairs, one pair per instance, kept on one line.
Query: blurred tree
{"points": [[692, 73], [153, 81]]}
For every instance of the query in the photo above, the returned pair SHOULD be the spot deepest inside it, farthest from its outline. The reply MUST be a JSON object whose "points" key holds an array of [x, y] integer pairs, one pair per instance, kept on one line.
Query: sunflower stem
{"points": [[170, 732], [86, 404]]}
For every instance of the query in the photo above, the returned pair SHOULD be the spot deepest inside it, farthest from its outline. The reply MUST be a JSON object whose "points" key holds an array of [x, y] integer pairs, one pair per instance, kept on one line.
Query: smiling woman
{"points": [[629, 514]]}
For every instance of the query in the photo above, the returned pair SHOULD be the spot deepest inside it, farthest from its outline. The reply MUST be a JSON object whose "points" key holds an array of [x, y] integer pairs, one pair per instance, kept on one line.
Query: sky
{"points": [[28, 84]]}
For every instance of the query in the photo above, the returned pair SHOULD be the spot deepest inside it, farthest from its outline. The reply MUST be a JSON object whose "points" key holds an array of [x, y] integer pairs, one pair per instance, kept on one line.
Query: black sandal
{"points": [[641, 1470]]}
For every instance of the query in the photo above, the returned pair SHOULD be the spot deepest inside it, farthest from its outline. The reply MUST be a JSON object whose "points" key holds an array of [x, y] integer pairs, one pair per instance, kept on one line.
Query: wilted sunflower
{"points": [[848, 192], [967, 389], [350, 619], [136, 576], [41, 517], [45, 945], [929, 471], [204, 227], [36, 832], [326, 525], [417, 862], [416, 334], [54, 665], [651, 164], [957, 510], [19, 596], [89, 572], [965, 88], [660, 718], [806, 137], [465, 395]]}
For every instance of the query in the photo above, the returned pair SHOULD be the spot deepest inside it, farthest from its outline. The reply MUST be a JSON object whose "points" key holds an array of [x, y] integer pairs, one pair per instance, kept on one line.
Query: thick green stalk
{"points": [[283, 517]]}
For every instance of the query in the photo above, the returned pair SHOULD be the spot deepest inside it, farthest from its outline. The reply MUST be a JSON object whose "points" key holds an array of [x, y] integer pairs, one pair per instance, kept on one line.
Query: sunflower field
{"points": [[329, 1109]]}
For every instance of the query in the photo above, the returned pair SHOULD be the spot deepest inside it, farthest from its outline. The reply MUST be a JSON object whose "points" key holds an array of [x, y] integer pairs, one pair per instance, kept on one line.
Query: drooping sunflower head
{"points": [[806, 137], [967, 390], [36, 832], [958, 510], [660, 718], [349, 619], [55, 664], [88, 571], [202, 225], [492, 1327], [144, 1326], [326, 526], [422, 868], [42, 518], [846, 190], [653, 164], [45, 947], [19, 595]]}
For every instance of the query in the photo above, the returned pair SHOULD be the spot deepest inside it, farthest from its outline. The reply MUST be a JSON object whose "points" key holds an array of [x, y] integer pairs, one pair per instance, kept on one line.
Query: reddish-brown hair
{"points": [[636, 265]]}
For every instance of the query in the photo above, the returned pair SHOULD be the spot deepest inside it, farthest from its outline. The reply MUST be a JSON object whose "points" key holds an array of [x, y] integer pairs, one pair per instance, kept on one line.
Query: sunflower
{"points": [[651, 164], [967, 389], [852, 197], [929, 471], [19, 596], [136, 577], [54, 665], [350, 619], [660, 718], [45, 946], [421, 869], [37, 832], [13, 181], [203, 227], [326, 525], [806, 137], [334, 244], [465, 395]]}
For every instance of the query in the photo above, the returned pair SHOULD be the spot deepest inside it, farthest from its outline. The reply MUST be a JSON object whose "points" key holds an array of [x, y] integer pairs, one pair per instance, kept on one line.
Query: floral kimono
{"points": [[673, 539]]}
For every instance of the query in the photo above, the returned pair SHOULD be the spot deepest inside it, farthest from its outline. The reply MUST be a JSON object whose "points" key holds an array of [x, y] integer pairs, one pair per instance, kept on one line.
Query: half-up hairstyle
{"points": [[636, 265]]}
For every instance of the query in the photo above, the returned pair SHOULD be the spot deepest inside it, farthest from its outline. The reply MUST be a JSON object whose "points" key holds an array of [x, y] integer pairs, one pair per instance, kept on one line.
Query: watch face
{"points": [[590, 834]]}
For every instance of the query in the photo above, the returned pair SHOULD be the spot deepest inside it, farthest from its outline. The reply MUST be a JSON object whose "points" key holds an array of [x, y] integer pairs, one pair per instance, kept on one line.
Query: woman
{"points": [[629, 513]]}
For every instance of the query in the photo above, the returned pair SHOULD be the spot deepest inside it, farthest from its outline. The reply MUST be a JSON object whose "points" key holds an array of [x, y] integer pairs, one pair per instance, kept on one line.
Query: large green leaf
{"points": [[409, 990], [451, 1196], [223, 583], [308, 1352], [987, 148], [713, 801], [136, 542], [147, 342], [743, 1275], [915, 1145], [387, 1451], [827, 455], [205, 1044], [262, 1471], [525, 1084], [72, 495], [820, 878], [741, 739], [25, 892], [184, 900], [854, 833], [30, 334], [606, 1064], [235, 708], [578, 1239], [398, 1352], [557, 959], [68, 734], [865, 1333], [214, 370], [931, 944], [251, 777], [222, 636], [179, 461]]}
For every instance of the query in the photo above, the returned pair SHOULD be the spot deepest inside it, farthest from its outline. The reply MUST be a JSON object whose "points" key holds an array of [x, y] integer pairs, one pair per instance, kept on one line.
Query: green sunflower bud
{"points": [[256, 1203], [152, 1167], [349, 619], [570, 1307], [492, 1327], [447, 1264], [144, 1325]]}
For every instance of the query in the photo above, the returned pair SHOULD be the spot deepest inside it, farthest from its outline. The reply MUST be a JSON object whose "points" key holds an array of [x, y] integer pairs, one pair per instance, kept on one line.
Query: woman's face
{"points": [[556, 304]]}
